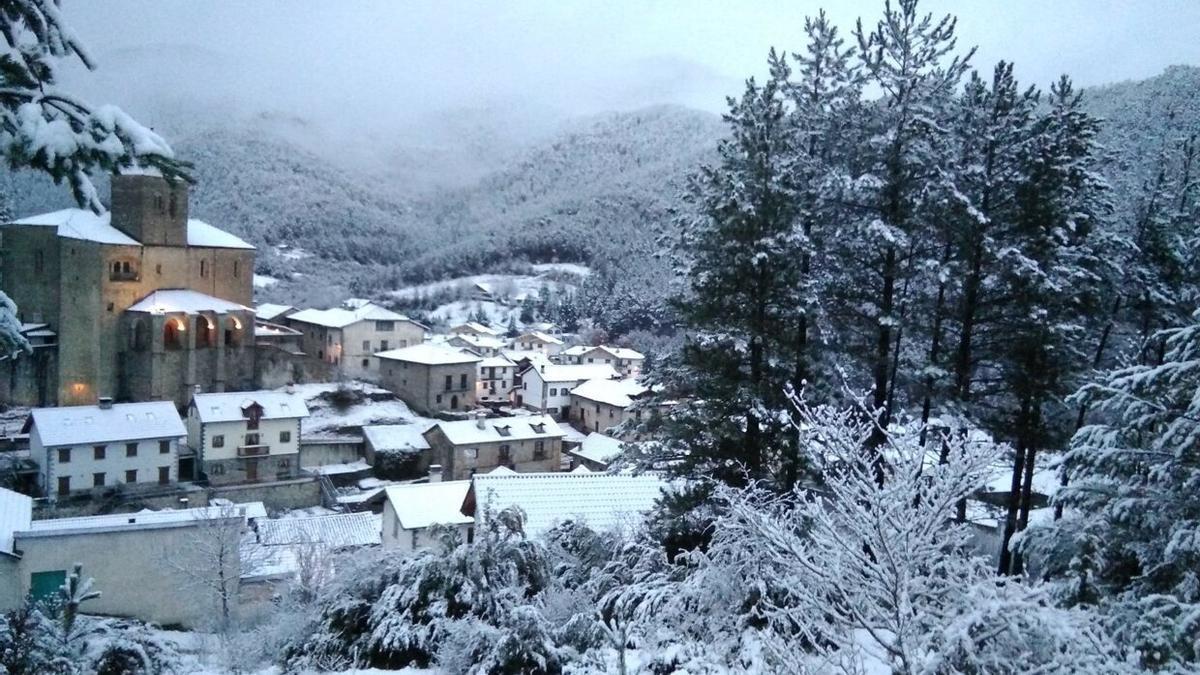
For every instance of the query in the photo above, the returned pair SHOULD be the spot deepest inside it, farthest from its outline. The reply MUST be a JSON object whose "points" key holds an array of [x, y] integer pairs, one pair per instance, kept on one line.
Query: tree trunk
{"points": [[1026, 504], [1018, 473], [883, 346]]}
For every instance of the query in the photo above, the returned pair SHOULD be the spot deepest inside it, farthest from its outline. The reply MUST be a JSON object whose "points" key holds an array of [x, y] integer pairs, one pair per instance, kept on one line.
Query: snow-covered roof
{"points": [[397, 437], [500, 429], [140, 520], [423, 504], [539, 336], [537, 358], [430, 355], [336, 530], [576, 350], [184, 300], [599, 448], [480, 341], [339, 317], [228, 406], [91, 424], [268, 311], [496, 362], [604, 501], [622, 352], [266, 329], [557, 372], [475, 328], [87, 226], [16, 512], [200, 233], [613, 392]]}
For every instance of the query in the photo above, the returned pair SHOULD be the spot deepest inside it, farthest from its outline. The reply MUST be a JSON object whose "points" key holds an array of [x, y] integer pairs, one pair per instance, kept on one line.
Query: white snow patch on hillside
{"points": [[264, 281], [572, 268]]}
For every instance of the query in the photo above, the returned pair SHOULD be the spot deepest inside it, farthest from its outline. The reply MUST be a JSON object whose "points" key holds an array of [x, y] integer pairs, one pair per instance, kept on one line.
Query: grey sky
{"points": [[390, 58]]}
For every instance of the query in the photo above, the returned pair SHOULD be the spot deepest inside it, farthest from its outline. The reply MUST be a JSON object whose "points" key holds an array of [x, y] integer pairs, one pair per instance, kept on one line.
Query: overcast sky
{"points": [[388, 57]]}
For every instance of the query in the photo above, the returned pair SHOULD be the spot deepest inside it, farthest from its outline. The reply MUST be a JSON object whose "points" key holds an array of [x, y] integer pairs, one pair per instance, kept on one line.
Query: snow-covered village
{"points": [[454, 338]]}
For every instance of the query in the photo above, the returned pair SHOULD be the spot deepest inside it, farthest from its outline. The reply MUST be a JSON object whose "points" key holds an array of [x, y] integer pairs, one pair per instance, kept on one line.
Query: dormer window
{"points": [[504, 430], [538, 428]]}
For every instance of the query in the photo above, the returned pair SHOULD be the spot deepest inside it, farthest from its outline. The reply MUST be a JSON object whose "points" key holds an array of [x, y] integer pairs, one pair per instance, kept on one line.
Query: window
{"points": [[110, 306], [395, 528], [158, 269], [462, 381], [164, 475], [158, 203], [131, 449], [98, 452], [284, 463], [454, 402], [610, 413], [164, 447], [39, 262], [366, 345], [438, 398], [218, 441], [64, 455], [172, 207], [385, 326], [98, 479], [218, 469], [505, 454], [553, 391], [203, 268], [131, 476], [449, 382], [251, 439], [539, 449], [285, 437], [235, 269], [64, 485], [383, 345], [366, 363]]}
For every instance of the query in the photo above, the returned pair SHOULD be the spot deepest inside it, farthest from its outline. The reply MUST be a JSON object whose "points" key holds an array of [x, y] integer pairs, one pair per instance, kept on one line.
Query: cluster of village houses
{"points": [[154, 383]]}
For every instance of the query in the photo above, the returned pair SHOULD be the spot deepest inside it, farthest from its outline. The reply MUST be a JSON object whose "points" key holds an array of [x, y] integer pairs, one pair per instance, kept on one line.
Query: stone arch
{"points": [[233, 331], [139, 335], [206, 332], [173, 330]]}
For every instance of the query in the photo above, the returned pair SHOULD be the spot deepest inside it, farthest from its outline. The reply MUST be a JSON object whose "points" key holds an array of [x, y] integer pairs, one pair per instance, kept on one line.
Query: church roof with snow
{"points": [[87, 226]]}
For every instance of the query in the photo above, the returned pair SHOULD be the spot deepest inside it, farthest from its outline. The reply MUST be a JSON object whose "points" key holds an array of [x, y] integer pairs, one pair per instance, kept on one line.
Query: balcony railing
{"points": [[253, 450]]}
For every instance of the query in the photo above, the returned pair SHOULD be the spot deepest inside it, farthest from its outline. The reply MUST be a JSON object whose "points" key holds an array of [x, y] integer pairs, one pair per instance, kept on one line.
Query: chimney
{"points": [[435, 473], [196, 388], [291, 388], [542, 369], [105, 402], [480, 416]]}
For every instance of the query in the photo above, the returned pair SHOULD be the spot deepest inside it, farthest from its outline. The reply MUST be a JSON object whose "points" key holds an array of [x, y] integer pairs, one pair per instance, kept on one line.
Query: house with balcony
{"points": [[467, 447], [91, 449], [431, 378], [537, 341], [246, 437], [496, 375]]}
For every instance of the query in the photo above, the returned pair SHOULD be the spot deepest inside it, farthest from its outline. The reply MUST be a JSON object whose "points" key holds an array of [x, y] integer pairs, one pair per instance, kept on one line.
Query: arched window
{"points": [[203, 268], [158, 202], [172, 207], [173, 333], [116, 271], [233, 332], [207, 336]]}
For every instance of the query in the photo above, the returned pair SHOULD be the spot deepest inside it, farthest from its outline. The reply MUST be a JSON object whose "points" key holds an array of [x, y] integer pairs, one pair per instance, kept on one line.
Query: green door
{"points": [[45, 585]]}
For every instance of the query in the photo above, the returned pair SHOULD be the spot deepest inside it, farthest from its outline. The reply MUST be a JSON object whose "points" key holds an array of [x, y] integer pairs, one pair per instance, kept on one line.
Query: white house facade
{"points": [[246, 437]]}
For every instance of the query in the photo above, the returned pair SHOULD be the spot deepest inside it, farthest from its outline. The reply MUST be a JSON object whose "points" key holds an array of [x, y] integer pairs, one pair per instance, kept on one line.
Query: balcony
{"points": [[253, 450]]}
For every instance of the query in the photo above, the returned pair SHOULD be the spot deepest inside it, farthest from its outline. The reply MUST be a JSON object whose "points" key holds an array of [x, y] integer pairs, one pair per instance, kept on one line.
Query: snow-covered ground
{"points": [[327, 419], [264, 281], [509, 289]]}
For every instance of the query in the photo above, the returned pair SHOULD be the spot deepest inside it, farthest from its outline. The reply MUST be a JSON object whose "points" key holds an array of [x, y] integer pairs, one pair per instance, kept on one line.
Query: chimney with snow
{"points": [[105, 402], [435, 473], [480, 416]]}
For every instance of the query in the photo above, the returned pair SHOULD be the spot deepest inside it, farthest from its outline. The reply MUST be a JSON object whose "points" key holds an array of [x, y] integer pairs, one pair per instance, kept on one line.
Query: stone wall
{"points": [[293, 494], [275, 367]]}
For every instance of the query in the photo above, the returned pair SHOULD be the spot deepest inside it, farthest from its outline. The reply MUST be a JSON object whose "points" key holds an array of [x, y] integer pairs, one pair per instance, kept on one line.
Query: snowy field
{"points": [[509, 289], [377, 406]]}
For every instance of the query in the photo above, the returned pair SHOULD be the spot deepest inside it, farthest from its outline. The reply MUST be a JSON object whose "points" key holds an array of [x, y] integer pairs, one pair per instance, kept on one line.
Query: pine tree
{"points": [[1128, 536], [741, 244]]}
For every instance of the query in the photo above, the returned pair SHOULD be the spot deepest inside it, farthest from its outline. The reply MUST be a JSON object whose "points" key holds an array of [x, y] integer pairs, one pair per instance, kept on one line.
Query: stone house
{"points": [[467, 447], [138, 560], [547, 388], [627, 362], [246, 437], [600, 405], [410, 510], [496, 375], [95, 448], [431, 378], [537, 341], [596, 452], [351, 338], [79, 273]]}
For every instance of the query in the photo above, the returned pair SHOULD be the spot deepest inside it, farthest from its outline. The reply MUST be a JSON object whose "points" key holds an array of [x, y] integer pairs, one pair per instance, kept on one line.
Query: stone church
{"points": [[141, 303]]}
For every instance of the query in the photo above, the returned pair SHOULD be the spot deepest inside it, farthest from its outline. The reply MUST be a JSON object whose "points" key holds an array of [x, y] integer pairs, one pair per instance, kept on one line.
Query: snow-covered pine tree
{"points": [[909, 58], [741, 247], [1129, 538], [46, 128], [75, 591], [1050, 272]]}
